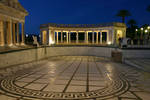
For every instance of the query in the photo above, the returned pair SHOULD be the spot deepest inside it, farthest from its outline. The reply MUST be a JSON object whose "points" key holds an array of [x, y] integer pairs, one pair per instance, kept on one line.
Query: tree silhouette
{"points": [[131, 33], [148, 8], [123, 14], [132, 22]]}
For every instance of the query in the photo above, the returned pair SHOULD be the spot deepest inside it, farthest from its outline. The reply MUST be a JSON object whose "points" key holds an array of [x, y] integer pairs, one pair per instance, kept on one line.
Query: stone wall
{"points": [[127, 54], [30, 55]]}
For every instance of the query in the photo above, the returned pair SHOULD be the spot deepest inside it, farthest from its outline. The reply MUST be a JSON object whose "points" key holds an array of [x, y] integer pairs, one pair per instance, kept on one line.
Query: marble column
{"points": [[97, 37], [67, 37], [14, 33], [61, 36], [23, 37], [44, 37], [101, 36], [107, 36], [9, 34], [2, 41], [87, 37], [18, 37], [93, 37], [77, 37], [54, 36], [57, 37]]}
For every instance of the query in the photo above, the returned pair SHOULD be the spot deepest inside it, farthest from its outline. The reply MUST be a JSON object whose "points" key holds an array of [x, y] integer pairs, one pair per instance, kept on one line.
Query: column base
{"points": [[17, 44], [22, 44], [10, 45], [1, 45]]}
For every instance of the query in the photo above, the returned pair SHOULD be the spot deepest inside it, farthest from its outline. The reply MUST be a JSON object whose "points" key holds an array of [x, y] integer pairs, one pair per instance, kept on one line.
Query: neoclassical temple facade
{"points": [[101, 34], [12, 19]]}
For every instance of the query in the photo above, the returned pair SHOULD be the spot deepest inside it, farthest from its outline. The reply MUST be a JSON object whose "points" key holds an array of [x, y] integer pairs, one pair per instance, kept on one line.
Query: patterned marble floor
{"points": [[76, 78]]}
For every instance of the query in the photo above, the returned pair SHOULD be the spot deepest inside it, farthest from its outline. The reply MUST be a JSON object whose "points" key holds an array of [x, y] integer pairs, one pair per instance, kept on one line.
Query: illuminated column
{"points": [[107, 36], [77, 37], [57, 37], [14, 33], [61, 36], [93, 37], [101, 41], [87, 37], [9, 34], [23, 38], [97, 37], [17, 33], [54, 40], [67, 37], [2, 41]]}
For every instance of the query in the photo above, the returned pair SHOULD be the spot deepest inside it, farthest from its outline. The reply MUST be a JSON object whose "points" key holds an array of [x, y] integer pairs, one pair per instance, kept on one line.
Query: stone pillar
{"points": [[57, 38], [44, 37], [18, 37], [107, 36], [23, 38], [14, 33], [77, 37], [93, 37], [54, 40], [87, 37], [61, 36], [101, 35], [97, 37], [2, 41], [9, 34], [67, 37]]}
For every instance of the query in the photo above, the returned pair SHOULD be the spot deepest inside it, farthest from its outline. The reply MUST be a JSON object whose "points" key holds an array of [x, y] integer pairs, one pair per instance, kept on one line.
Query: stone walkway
{"points": [[76, 78]]}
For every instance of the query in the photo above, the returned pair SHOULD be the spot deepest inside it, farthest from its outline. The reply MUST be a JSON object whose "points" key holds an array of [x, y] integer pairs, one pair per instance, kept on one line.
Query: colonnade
{"points": [[9, 33], [56, 37], [86, 38]]}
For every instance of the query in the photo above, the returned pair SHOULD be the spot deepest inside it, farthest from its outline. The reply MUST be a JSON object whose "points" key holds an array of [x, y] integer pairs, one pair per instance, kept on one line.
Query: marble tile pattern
{"points": [[76, 78]]}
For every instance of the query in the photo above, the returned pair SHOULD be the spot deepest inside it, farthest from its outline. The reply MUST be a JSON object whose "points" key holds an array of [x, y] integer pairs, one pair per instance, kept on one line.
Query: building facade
{"points": [[12, 19], [102, 34]]}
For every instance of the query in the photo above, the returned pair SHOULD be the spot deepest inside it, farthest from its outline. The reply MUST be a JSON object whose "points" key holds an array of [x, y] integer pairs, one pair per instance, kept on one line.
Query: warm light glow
{"points": [[51, 41], [109, 43], [142, 29], [148, 27], [146, 31], [119, 33]]}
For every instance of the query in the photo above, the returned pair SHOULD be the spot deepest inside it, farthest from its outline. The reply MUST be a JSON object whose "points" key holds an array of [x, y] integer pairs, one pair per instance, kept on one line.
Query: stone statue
{"points": [[35, 42]]}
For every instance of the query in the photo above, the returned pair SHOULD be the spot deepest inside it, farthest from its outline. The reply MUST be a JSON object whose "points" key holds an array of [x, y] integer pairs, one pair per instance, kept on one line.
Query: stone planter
{"points": [[116, 56]]}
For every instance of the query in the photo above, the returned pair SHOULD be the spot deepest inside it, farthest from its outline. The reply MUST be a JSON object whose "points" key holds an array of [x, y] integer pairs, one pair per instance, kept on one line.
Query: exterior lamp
{"points": [[148, 27], [109, 43], [146, 31], [142, 29], [136, 30], [27, 35]]}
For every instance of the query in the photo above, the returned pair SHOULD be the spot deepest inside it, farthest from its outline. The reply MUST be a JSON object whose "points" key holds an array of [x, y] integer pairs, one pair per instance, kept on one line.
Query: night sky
{"points": [[81, 12]]}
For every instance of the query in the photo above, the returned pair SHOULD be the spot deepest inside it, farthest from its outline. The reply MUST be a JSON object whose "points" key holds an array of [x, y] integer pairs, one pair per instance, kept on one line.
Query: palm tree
{"points": [[123, 14], [148, 8], [132, 22]]}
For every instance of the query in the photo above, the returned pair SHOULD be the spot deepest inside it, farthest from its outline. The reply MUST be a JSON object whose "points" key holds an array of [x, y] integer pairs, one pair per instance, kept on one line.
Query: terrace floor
{"points": [[76, 78]]}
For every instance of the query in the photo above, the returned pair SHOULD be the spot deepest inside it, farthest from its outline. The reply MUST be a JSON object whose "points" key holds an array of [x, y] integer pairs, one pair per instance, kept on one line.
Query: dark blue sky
{"points": [[81, 12]]}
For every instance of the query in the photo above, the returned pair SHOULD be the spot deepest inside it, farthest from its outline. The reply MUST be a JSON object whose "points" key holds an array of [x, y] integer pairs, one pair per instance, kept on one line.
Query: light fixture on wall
{"points": [[109, 43]]}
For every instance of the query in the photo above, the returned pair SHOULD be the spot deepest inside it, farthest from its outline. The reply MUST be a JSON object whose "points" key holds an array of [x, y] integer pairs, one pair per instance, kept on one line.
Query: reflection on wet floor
{"points": [[77, 77]]}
